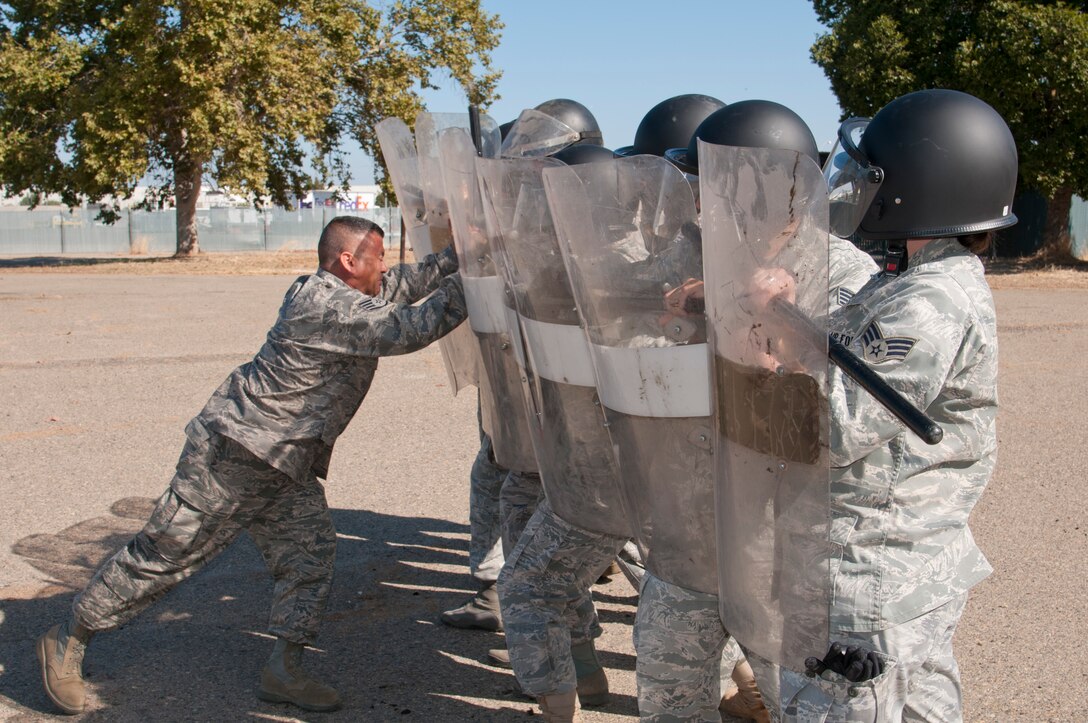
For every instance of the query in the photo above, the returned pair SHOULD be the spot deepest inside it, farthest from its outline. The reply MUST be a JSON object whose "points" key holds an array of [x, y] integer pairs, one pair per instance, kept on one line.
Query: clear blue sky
{"points": [[621, 58]]}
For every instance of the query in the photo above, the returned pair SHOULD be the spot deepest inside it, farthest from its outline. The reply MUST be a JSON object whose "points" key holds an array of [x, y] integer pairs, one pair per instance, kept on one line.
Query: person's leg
{"points": [[553, 566], [484, 544], [521, 493], [679, 640], [934, 692], [920, 680], [741, 697], [192, 522], [296, 537]]}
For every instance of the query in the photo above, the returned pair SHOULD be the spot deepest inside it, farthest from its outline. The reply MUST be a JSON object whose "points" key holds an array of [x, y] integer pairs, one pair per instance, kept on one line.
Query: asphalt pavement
{"points": [[100, 373]]}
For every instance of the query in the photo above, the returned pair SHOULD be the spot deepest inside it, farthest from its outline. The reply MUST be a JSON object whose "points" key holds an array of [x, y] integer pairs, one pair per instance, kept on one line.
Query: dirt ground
{"points": [[1002, 273]]}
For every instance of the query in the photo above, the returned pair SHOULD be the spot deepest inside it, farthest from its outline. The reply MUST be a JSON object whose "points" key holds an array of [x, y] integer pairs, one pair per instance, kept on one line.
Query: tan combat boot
{"points": [[61, 655], [592, 681], [746, 701], [481, 612], [559, 707], [284, 681]]}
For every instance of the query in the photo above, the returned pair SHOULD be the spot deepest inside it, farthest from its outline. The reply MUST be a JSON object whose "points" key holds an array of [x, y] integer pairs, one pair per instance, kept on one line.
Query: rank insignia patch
{"points": [[844, 295], [877, 348]]}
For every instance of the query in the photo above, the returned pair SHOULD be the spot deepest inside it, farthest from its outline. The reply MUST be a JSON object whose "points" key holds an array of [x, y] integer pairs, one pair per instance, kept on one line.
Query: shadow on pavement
{"points": [[196, 654]]}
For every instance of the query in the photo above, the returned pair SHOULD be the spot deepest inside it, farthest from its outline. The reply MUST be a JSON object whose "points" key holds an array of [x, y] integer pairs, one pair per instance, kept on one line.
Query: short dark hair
{"points": [[338, 233]]}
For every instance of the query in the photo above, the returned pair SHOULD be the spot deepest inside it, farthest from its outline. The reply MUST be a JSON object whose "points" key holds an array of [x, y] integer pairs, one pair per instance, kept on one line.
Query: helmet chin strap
{"points": [[895, 258]]}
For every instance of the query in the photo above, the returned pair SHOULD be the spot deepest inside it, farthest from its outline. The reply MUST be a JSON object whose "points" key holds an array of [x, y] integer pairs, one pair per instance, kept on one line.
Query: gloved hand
{"points": [[853, 662]]}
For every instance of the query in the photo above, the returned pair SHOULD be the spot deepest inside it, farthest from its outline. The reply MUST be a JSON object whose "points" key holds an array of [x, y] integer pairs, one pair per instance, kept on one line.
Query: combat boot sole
{"points": [[271, 697]]}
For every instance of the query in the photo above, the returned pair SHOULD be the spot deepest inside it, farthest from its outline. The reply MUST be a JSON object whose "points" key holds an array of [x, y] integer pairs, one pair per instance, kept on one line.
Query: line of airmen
{"points": [[648, 331]]}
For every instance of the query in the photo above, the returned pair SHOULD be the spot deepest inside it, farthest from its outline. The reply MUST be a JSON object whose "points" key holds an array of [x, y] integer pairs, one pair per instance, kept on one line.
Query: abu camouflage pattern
{"points": [[220, 490], [519, 496], [544, 592], [485, 530], [679, 640], [291, 402], [901, 506], [920, 680], [254, 453]]}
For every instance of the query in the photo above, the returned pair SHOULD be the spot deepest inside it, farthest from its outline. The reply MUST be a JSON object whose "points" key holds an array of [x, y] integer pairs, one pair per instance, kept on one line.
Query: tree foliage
{"points": [[258, 96], [1029, 60]]}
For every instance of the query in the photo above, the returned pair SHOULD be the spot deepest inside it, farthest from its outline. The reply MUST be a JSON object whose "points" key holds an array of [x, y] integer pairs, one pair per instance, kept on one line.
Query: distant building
{"points": [[356, 198]]}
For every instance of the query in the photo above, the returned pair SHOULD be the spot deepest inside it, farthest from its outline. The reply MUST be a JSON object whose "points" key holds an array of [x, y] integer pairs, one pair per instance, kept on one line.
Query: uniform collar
{"points": [[942, 248], [329, 277]]}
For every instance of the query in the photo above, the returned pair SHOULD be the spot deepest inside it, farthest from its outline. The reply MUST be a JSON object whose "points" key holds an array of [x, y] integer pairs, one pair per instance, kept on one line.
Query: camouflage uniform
{"points": [[254, 453], [544, 588], [485, 552], [900, 507], [679, 634]]}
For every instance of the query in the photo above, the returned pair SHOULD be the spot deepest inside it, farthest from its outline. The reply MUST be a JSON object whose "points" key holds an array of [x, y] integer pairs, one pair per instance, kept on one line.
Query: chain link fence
{"points": [[51, 232]]}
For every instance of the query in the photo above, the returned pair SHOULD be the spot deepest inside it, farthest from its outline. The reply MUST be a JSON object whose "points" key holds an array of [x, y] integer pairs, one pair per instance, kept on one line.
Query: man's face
{"points": [[365, 267]]}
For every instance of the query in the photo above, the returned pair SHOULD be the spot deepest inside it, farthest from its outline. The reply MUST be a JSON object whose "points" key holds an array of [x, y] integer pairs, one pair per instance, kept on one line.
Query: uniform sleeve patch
{"points": [[878, 348], [373, 303], [844, 295]]}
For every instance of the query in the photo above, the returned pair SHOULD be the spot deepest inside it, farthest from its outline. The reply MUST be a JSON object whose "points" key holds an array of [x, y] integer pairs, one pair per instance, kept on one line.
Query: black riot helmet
{"points": [[551, 126], [582, 153], [576, 116], [930, 164], [670, 124], [504, 129], [750, 124]]}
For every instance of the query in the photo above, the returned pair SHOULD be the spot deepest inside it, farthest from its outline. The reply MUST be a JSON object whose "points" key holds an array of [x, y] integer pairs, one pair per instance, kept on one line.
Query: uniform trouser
{"points": [[220, 489], [921, 683], [521, 493], [683, 654], [544, 591], [485, 528]]}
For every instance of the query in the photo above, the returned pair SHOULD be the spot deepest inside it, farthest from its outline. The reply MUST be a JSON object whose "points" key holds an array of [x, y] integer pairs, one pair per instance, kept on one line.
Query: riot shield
{"points": [[537, 134], [399, 153], [426, 233], [764, 215], [492, 318], [428, 128], [627, 232], [577, 466]]}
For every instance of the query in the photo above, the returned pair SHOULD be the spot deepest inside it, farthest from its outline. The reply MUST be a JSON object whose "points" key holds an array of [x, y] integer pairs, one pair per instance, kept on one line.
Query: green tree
{"points": [[1029, 60], [259, 96]]}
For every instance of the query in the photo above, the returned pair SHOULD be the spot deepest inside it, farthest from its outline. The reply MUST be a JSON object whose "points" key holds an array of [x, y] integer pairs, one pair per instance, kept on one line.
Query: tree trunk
{"points": [[186, 191], [1057, 243]]}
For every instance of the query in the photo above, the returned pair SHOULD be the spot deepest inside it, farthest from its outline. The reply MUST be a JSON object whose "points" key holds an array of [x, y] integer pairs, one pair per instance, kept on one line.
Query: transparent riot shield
{"points": [[492, 318], [428, 128], [577, 466], [536, 134], [627, 232], [398, 145], [765, 241], [399, 153]]}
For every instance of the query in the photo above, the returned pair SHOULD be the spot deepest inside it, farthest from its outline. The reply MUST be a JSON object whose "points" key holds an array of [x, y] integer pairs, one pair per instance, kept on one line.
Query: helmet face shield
{"points": [[852, 182], [536, 134]]}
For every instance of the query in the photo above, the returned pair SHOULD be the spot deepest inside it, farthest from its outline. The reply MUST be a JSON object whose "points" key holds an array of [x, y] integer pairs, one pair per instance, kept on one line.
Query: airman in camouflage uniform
{"points": [[908, 559], [254, 454], [904, 557]]}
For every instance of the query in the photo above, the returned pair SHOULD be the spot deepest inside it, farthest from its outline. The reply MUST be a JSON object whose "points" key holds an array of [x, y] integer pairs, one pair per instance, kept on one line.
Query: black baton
{"points": [[474, 129], [904, 410]]}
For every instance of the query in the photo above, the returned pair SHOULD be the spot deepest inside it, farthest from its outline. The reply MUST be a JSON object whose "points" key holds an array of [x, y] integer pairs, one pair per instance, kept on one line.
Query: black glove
{"points": [[853, 662]]}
